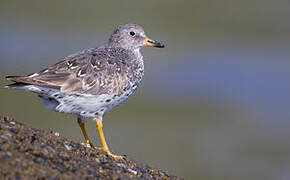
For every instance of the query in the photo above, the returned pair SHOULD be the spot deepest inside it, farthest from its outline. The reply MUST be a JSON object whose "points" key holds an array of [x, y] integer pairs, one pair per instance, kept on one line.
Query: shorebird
{"points": [[91, 82]]}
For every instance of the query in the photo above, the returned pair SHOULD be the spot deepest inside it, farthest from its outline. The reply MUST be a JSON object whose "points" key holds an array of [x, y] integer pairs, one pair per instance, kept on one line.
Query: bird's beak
{"points": [[152, 43]]}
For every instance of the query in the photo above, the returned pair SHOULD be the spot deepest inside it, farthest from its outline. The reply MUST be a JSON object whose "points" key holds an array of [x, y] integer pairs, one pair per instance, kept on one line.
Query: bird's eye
{"points": [[132, 33]]}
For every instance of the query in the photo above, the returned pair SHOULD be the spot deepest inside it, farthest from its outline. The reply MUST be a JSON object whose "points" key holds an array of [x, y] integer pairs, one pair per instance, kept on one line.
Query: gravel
{"points": [[28, 153]]}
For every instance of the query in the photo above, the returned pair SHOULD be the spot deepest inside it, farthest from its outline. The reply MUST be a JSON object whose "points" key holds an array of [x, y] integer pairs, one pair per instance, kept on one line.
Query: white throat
{"points": [[138, 53]]}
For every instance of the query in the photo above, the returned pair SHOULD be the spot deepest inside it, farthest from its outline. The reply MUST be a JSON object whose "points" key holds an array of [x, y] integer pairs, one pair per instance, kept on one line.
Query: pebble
{"points": [[126, 167], [132, 171], [67, 147]]}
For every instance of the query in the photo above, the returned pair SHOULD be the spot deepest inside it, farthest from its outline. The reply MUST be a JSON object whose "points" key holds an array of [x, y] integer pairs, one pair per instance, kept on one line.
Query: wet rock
{"points": [[27, 153]]}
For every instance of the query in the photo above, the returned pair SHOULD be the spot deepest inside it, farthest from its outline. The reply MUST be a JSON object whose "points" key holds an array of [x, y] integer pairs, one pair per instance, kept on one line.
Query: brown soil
{"points": [[28, 153]]}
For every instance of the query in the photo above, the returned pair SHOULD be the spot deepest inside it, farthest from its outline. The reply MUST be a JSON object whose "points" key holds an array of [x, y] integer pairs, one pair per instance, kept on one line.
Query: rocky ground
{"points": [[27, 153]]}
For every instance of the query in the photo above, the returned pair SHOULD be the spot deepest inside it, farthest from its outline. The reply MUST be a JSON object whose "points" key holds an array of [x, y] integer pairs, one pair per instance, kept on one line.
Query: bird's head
{"points": [[132, 36]]}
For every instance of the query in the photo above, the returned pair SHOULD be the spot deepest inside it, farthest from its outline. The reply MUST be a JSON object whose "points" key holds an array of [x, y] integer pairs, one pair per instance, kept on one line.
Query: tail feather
{"points": [[19, 82], [16, 85], [11, 77], [16, 78], [8, 77]]}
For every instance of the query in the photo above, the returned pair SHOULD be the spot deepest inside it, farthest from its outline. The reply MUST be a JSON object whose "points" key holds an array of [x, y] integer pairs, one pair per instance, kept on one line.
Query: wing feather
{"points": [[92, 71]]}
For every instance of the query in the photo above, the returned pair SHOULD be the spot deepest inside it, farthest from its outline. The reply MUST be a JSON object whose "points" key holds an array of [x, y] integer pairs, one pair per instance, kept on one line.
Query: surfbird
{"points": [[91, 82]]}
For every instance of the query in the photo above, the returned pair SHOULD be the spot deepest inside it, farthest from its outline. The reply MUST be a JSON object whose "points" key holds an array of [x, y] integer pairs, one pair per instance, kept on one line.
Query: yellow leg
{"points": [[105, 147], [82, 126]]}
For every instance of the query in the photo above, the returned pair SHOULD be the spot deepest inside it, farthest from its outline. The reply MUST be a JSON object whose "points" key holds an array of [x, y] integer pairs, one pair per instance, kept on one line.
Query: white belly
{"points": [[79, 104]]}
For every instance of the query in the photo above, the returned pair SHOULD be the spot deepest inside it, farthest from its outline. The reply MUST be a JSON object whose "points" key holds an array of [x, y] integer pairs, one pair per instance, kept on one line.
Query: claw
{"points": [[110, 154], [116, 157]]}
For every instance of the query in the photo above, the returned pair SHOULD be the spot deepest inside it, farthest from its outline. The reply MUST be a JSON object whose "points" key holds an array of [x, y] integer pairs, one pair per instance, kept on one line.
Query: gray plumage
{"points": [[93, 81]]}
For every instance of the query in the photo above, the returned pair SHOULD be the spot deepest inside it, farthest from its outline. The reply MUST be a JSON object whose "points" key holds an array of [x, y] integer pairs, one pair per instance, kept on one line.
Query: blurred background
{"points": [[214, 104]]}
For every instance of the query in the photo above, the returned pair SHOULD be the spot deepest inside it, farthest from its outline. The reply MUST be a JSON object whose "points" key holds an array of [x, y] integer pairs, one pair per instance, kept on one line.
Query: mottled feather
{"points": [[93, 81], [93, 71]]}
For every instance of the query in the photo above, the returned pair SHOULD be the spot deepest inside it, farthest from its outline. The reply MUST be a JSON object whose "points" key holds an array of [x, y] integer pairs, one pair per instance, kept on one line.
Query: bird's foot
{"points": [[106, 150]]}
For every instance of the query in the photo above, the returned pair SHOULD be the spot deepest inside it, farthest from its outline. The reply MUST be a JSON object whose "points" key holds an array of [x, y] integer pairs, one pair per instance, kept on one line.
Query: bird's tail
{"points": [[19, 82]]}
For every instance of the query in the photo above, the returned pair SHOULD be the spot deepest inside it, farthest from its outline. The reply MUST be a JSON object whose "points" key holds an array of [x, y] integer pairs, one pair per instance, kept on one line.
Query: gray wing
{"points": [[93, 71]]}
